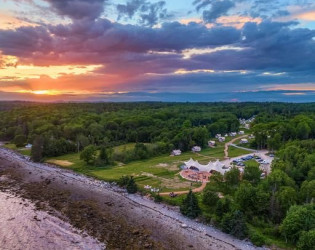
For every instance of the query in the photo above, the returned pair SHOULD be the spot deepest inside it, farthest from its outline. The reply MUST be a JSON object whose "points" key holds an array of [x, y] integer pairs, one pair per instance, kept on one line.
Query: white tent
{"points": [[211, 166]]}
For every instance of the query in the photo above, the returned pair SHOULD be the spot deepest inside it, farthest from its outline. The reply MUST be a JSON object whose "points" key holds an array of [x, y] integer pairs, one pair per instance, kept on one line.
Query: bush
{"points": [[123, 181], [131, 187], [257, 239], [157, 198], [20, 140]]}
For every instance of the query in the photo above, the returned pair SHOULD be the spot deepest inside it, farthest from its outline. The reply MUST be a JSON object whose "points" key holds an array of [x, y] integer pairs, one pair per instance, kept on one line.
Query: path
{"points": [[226, 146], [196, 190]]}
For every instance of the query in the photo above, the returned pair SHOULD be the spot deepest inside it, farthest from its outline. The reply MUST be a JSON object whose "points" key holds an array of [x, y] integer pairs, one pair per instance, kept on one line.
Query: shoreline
{"points": [[148, 225], [24, 225]]}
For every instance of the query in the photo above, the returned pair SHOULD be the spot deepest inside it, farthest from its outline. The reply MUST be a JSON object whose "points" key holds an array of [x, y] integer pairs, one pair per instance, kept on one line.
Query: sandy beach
{"points": [[108, 213]]}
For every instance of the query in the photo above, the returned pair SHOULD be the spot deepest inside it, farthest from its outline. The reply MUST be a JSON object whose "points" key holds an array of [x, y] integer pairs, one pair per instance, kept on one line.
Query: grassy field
{"points": [[160, 172]]}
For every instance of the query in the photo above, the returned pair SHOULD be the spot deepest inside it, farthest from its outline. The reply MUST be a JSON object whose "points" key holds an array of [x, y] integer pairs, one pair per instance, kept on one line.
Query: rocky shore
{"points": [[106, 212]]}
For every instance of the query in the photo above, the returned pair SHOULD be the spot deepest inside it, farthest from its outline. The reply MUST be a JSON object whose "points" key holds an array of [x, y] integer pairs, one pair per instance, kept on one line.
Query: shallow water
{"points": [[23, 227]]}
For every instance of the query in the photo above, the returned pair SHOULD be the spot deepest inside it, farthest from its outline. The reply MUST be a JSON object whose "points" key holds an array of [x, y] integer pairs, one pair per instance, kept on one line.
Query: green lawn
{"points": [[235, 152], [23, 151]]}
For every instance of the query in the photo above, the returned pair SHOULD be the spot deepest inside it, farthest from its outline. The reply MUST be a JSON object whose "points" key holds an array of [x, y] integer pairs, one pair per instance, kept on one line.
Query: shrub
{"points": [[257, 239], [131, 187]]}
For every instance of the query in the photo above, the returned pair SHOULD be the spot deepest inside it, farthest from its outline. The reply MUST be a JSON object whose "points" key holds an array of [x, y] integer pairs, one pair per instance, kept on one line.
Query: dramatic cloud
{"points": [[78, 9], [223, 48], [217, 9], [149, 13]]}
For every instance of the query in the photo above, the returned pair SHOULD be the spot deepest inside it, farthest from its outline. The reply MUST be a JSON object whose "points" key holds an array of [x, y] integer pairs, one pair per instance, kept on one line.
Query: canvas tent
{"points": [[211, 166]]}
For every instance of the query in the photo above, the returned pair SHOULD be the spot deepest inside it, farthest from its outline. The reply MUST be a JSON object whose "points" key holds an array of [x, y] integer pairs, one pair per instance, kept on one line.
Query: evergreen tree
{"points": [[234, 224], [190, 207], [37, 149], [131, 187]]}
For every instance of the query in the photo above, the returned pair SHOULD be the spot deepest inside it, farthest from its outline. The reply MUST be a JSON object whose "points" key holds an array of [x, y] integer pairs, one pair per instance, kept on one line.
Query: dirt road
{"points": [[195, 190]]}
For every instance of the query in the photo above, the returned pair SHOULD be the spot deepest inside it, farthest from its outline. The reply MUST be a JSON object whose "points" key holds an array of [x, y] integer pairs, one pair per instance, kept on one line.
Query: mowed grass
{"points": [[160, 172], [235, 152]]}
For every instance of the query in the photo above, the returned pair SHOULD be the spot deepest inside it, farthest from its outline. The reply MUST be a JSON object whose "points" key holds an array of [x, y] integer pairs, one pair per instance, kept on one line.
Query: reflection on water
{"points": [[22, 227]]}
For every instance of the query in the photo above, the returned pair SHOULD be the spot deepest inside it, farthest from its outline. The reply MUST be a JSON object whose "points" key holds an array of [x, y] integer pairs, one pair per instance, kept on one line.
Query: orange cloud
{"points": [[294, 87], [307, 16], [237, 21], [10, 22]]}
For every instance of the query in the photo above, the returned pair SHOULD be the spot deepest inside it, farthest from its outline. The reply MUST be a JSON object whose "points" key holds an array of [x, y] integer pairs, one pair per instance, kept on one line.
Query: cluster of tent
{"points": [[210, 167]]}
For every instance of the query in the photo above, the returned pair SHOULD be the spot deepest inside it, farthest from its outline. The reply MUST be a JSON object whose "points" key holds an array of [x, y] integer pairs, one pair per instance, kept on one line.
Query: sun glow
{"points": [[40, 92]]}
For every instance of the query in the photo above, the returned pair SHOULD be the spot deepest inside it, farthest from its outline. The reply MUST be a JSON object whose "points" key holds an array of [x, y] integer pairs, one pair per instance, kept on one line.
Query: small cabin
{"points": [[243, 141], [217, 136], [196, 149], [241, 132], [211, 143], [221, 139], [176, 152]]}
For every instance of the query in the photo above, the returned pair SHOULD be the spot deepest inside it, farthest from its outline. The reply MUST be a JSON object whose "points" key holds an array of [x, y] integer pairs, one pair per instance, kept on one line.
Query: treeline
{"points": [[70, 127], [272, 134], [66, 128]]}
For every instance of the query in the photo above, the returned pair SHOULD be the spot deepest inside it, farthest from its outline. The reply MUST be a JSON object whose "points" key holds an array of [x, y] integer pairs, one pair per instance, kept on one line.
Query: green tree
{"points": [[224, 206], [307, 192], [37, 149], [286, 197], [210, 198], [234, 223], [303, 130], [190, 206], [252, 173], [200, 136], [19, 140], [232, 177], [251, 200], [105, 155], [298, 219], [89, 154], [274, 142], [306, 241], [132, 187]]}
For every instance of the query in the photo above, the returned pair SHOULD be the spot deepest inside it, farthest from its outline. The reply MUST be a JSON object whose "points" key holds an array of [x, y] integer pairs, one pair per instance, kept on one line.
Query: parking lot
{"points": [[260, 156]]}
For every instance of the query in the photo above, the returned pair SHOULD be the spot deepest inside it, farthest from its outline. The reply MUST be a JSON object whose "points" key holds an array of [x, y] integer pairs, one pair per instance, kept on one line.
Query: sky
{"points": [[153, 50]]}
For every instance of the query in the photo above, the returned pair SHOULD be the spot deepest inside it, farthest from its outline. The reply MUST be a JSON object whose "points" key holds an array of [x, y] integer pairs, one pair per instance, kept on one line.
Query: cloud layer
{"points": [[150, 52]]}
